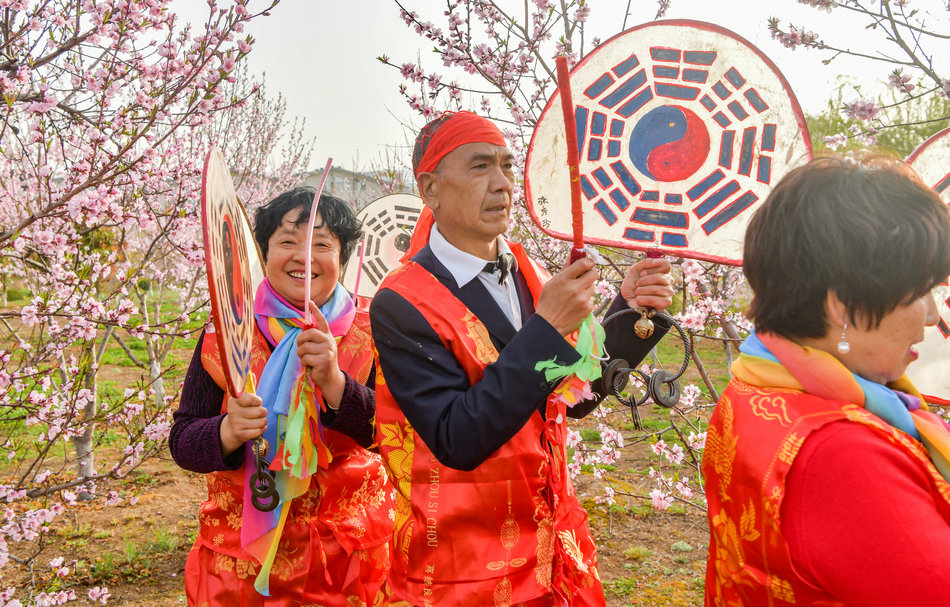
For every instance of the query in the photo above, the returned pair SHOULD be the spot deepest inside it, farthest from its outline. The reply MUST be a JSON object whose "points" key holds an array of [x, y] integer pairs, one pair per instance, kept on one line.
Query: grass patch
{"points": [[652, 424], [131, 551], [115, 355], [637, 553], [589, 468], [681, 547], [641, 511], [590, 434], [17, 297], [622, 587], [140, 480], [104, 568], [163, 541]]}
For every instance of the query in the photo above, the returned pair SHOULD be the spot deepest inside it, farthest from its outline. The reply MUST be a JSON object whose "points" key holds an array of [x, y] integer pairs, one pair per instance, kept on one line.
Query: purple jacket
{"points": [[195, 440]]}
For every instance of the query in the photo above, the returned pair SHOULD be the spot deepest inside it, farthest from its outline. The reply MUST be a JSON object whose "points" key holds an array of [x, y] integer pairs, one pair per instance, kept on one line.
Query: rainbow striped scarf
{"points": [[770, 361], [294, 432]]}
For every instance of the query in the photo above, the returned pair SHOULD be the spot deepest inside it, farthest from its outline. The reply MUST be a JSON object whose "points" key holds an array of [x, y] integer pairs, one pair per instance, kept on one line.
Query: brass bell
{"points": [[261, 446], [644, 326]]}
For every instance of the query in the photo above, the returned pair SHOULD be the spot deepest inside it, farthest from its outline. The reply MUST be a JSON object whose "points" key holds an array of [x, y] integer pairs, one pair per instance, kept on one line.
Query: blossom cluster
{"points": [[105, 131], [901, 81], [863, 109], [794, 37]]}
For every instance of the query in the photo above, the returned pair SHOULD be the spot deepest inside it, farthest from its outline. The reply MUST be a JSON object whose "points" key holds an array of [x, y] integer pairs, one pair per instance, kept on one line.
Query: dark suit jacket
{"points": [[463, 424]]}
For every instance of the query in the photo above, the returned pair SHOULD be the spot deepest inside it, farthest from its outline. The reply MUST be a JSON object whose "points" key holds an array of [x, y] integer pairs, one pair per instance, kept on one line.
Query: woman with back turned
{"points": [[826, 472]]}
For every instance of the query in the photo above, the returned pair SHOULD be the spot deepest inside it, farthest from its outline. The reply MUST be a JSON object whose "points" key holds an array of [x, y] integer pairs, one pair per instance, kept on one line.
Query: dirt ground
{"points": [[139, 551]]}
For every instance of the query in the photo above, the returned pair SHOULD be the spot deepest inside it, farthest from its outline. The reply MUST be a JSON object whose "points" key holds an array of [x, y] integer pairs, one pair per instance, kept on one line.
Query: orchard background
{"points": [[109, 109]]}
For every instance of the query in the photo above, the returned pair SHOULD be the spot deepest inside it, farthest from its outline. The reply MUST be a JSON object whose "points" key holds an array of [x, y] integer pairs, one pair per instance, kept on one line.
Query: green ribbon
{"points": [[590, 345]]}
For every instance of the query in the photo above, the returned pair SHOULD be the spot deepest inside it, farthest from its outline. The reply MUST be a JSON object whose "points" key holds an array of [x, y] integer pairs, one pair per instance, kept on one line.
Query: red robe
{"points": [[334, 547], [511, 530], [749, 560]]}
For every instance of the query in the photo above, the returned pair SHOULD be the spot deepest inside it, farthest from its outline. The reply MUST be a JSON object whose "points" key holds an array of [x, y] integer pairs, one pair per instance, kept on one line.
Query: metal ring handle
{"points": [[617, 379]]}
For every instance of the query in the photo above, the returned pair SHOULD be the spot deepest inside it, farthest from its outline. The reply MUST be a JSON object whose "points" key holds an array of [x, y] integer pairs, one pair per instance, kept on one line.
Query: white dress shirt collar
{"points": [[463, 266]]}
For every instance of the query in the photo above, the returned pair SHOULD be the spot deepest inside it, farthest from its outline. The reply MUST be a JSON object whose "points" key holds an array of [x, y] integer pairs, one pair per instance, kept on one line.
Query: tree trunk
{"points": [[155, 371], [83, 443], [702, 372]]}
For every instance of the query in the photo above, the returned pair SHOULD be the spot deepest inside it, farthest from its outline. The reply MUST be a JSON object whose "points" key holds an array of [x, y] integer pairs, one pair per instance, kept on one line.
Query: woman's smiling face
{"points": [[285, 262]]}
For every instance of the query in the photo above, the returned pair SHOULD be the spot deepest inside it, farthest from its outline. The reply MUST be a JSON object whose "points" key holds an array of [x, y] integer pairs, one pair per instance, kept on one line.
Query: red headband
{"points": [[461, 128]]}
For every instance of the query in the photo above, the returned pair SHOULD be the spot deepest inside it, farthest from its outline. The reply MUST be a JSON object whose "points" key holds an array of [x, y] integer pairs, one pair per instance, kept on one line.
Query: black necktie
{"points": [[502, 265]]}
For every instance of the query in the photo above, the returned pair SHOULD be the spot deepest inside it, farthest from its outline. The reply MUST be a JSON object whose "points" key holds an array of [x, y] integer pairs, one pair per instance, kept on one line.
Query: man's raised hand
{"points": [[648, 284], [568, 298]]}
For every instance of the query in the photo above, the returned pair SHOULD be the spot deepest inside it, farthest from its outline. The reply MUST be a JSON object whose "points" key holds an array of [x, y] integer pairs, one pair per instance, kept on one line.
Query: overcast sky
{"points": [[321, 54]]}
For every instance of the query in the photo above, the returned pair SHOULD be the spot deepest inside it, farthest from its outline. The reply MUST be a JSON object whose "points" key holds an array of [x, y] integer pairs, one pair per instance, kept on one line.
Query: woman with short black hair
{"points": [[327, 542], [825, 470]]}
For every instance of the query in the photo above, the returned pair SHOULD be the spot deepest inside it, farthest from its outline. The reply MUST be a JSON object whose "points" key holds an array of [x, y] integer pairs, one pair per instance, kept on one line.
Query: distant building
{"points": [[356, 188]]}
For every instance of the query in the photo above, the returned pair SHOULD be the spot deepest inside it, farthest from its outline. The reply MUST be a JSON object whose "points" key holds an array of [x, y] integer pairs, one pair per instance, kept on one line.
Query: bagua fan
{"points": [[675, 133], [387, 228], [234, 267], [932, 162]]}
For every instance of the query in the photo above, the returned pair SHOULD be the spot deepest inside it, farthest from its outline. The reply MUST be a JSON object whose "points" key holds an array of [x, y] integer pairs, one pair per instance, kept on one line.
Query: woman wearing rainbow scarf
{"points": [[826, 472], [327, 541]]}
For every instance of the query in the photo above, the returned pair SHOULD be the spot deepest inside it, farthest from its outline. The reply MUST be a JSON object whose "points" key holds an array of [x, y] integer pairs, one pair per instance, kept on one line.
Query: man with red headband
{"points": [[486, 512]]}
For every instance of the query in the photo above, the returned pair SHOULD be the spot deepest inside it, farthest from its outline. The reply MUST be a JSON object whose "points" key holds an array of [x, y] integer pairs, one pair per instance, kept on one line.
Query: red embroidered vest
{"points": [[749, 561], [509, 531], [351, 499]]}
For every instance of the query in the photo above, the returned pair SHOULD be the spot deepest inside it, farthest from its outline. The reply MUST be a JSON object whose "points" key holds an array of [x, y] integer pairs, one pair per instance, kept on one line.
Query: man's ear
{"points": [[428, 184]]}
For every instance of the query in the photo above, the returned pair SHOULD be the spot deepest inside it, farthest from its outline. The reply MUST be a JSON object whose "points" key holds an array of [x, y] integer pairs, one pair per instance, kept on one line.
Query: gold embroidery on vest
{"points": [[729, 557], [402, 525], [355, 341], [399, 459], [371, 494], [770, 408], [781, 589], [484, 350], [741, 387], [510, 531], [569, 543], [245, 569], [502, 594], [773, 502], [260, 355], [747, 523], [721, 447], [235, 518], [284, 562], [211, 361], [219, 491], [790, 447], [544, 552], [399, 464], [206, 519], [380, 379], [223, 562], [509, 535], [942, 486], [309, 501]]}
